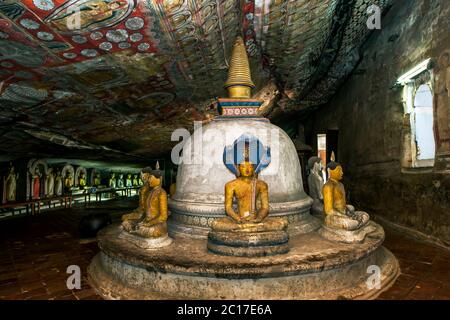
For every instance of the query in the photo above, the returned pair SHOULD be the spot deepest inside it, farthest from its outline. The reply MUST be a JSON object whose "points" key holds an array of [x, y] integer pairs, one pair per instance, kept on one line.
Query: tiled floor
{"points": [[36, 251]]}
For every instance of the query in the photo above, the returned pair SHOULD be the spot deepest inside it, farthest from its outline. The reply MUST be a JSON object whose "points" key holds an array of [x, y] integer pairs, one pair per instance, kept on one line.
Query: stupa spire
{"points": [[239, 82]]}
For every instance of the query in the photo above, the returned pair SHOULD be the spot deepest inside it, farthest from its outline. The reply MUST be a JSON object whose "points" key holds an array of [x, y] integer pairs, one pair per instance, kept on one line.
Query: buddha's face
{"points": [[144, 176], [153, 181], [337, 173], [246, 169]]}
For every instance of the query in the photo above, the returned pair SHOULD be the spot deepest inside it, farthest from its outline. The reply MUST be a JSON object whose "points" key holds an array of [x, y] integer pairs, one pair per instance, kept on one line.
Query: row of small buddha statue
{"points": [[121, 182], [54, 184]]}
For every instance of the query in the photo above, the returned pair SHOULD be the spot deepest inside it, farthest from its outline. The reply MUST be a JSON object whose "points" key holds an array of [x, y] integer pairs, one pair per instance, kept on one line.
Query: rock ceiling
{"points": [[111, 79]]}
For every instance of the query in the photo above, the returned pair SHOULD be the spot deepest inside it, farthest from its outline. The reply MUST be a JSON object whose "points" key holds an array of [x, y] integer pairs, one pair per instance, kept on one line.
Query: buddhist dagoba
{"points": [[240, 222], [201, 177]]}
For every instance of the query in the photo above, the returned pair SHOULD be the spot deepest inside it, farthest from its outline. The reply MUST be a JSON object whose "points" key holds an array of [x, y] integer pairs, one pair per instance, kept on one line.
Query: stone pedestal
{"points": [[314, 268], [347, 236], [146, 243], [266, 238], [248, 244]]}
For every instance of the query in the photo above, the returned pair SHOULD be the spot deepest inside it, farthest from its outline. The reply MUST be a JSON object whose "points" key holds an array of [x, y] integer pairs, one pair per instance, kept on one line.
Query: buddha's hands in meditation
{"points": [[148, 222]]}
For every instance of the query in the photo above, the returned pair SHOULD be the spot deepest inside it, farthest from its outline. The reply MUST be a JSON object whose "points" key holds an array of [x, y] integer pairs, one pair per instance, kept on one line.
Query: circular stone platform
{"points": [[314, 268]]}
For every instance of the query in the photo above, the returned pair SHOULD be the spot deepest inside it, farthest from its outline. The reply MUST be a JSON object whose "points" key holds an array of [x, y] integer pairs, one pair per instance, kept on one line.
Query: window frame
{"points": [[409, 93]]}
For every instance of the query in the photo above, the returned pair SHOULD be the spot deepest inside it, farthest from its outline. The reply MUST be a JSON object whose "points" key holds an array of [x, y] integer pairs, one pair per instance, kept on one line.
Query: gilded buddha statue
{"points": [[128, 220], [252, 197], [149, 220], [342, 223]]}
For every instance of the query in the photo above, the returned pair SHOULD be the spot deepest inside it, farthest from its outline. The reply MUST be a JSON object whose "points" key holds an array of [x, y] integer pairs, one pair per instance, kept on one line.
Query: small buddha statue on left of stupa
{"points": [[150, 229]]}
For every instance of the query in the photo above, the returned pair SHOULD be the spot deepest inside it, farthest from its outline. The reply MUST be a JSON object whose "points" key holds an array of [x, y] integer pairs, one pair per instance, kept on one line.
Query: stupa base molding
{"points": [[314, 268], [194, 220]]}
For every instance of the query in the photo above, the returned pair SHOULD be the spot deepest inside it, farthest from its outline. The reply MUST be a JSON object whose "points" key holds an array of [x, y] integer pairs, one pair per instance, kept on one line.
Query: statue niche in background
{"points": [[58, 183], [50, 181], [36, 180], [120, 183], [112, 181], [11, 185]]}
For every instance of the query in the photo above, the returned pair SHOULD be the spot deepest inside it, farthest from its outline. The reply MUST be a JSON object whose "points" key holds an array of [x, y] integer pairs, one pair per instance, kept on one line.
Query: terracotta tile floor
{"points": [[35, 252]]}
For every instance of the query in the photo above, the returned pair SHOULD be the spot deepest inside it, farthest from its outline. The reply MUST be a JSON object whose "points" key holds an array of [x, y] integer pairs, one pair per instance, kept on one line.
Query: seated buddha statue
{"points": [[129, 219], [247, 231], [152, 223], [252, 197], [342, 223]]}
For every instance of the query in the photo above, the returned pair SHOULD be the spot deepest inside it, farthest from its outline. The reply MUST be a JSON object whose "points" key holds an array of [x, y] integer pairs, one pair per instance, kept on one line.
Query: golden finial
{"points": [[332, 157], [157, 165], [239, 81]]}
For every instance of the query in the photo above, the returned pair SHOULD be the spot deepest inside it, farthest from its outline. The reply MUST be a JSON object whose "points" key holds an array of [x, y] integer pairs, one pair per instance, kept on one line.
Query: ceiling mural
{"points": [[123, 74]]}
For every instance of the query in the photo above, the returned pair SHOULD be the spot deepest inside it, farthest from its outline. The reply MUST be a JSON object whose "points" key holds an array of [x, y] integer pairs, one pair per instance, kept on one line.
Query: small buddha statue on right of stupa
{"points": [[342, 223]]}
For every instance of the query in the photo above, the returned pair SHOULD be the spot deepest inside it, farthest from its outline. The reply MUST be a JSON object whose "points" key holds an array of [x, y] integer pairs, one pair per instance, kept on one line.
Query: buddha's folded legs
{"points": [[129, 225], [269, 224], [350, 221], [224, 224], [154, 231]]}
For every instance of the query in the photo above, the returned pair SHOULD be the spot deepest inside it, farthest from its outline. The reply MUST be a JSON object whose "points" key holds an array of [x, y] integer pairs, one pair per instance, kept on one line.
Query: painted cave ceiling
{"points": [[116, 85]]}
